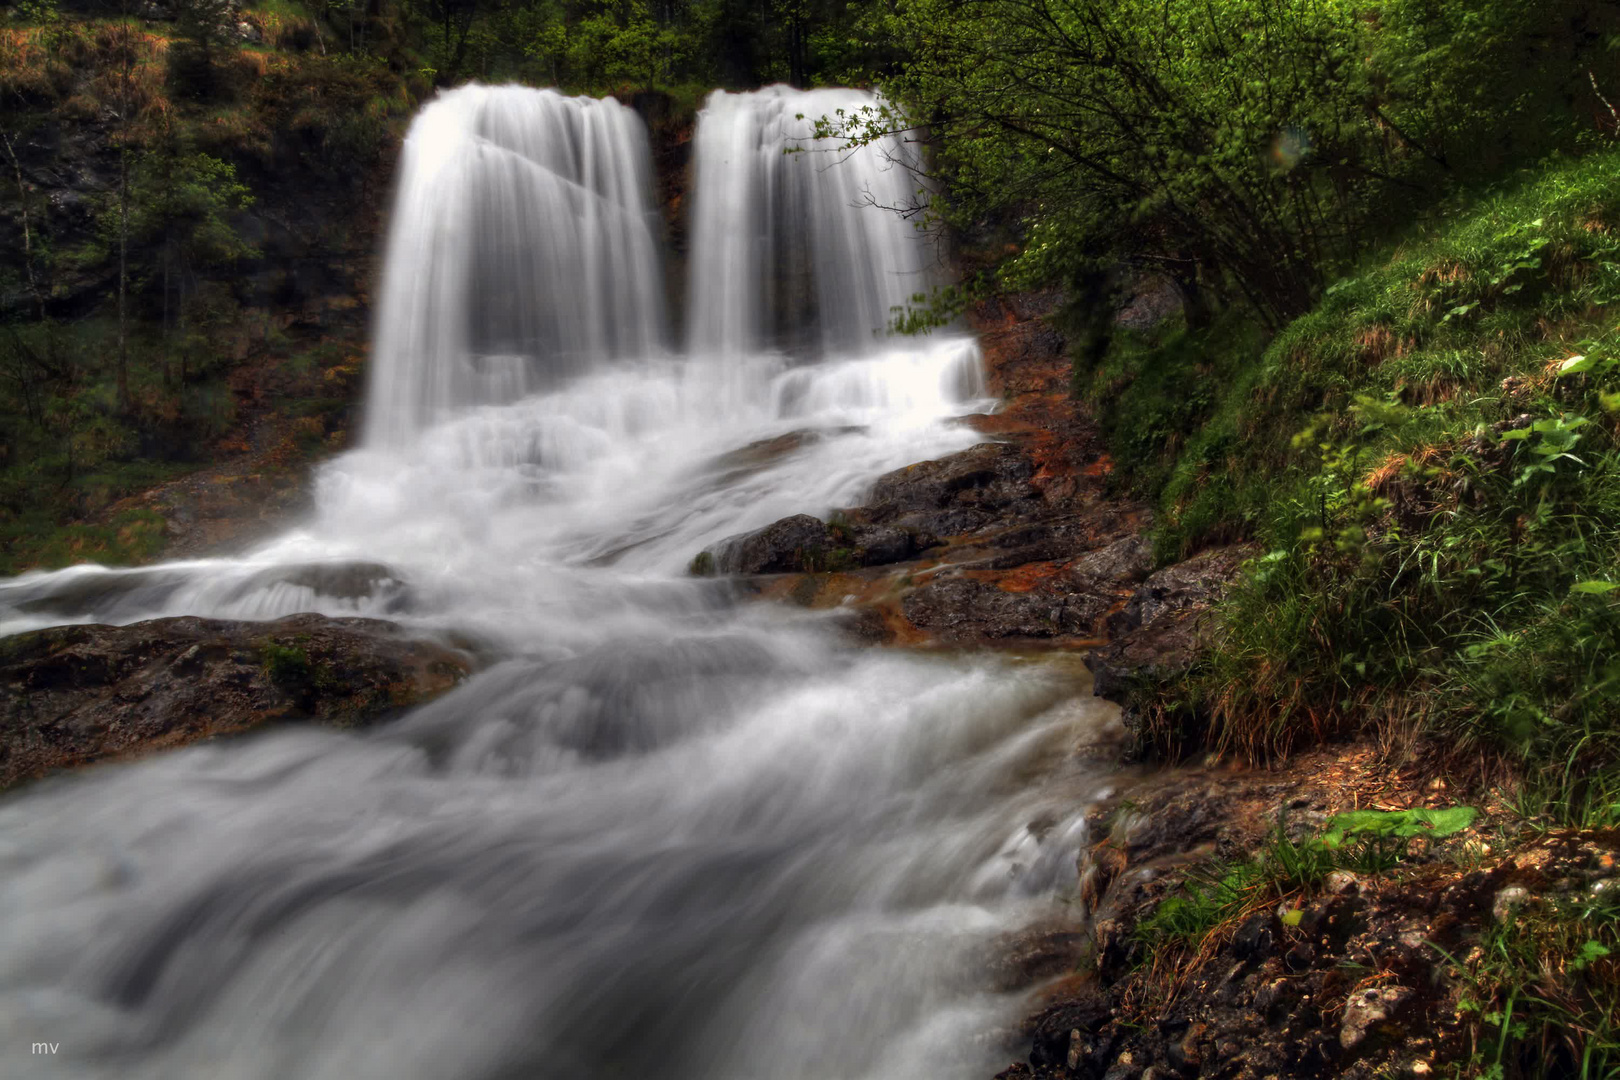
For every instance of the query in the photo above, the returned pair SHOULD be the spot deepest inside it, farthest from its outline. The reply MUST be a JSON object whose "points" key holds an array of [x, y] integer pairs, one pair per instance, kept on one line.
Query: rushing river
{"points": [[665, 833]]}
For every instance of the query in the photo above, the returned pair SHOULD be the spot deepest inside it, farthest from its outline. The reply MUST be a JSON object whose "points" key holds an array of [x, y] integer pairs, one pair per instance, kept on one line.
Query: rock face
{"points": [[1158, 633], [73, 695], [954, 494], [1015, 539]]}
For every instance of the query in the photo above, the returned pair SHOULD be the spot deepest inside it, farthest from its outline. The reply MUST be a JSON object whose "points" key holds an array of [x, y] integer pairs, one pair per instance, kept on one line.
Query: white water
{"points": [[803, 250], [484, 298], [665, 834]]}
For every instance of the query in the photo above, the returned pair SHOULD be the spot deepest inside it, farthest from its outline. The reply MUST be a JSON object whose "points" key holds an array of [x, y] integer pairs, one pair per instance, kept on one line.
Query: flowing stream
{"points": [[667, 833]]}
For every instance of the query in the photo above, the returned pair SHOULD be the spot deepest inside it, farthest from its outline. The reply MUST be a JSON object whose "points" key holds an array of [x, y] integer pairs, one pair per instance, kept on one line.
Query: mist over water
{"points": [[665, 833]]}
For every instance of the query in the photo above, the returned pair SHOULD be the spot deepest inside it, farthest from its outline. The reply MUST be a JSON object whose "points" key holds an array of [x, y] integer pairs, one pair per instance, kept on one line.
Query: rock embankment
{"points": [[1015, 541], [74, 695], [1352, 974]]}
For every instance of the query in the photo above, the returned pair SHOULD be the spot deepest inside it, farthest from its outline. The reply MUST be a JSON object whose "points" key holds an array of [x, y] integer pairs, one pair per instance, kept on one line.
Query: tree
{"points": [[1251, 147]]}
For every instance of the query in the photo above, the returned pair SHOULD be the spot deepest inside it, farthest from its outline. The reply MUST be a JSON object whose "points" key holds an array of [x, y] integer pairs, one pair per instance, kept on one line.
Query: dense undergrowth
{"points": [[1428, 465]]}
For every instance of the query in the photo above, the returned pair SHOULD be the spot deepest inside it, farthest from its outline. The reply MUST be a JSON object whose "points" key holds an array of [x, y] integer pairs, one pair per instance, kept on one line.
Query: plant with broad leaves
{"points": [[1550, 441], [1376, 840]]}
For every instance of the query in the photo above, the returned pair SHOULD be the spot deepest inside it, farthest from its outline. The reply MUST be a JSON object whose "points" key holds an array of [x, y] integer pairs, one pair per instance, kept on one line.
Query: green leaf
{"points": [[1594, 588], [1577, 364], [1589, 952], [1447, 821]]}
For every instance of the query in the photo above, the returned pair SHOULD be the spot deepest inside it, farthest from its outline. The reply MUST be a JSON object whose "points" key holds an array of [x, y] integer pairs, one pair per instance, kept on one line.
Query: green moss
{"points": [[288, 666]]}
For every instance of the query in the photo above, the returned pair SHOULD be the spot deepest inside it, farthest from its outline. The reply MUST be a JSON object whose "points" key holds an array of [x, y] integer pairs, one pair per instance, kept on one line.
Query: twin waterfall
{"points": [[798, 243], [525, 247], [664, 831]]}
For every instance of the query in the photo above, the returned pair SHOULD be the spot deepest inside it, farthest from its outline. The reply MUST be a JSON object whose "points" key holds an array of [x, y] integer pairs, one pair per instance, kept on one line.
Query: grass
{"points": [[1537, 989], [1542, 989], [1429, 464], [1221, 894], [41, 541], [1427, 552]]}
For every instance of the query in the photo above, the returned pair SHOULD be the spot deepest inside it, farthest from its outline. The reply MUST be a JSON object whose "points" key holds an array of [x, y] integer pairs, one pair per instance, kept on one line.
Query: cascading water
{"points": [[522, 249], [664, 833], [797, 242]]}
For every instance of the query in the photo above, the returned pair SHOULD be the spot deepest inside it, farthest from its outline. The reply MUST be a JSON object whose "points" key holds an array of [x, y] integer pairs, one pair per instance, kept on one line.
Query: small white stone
{"points": [[1508, 900]]}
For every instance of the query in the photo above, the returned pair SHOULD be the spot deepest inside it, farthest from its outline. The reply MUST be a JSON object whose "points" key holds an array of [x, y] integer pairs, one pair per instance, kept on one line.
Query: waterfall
{"points": [[796, 241], [522, 248], [665, 832]]}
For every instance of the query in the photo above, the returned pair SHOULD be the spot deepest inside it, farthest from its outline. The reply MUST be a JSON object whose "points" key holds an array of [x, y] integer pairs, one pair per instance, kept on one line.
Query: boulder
{"points": [[804, 544], [983, 478], [73, 695], [1129, 558], [1162, 629], [796, 543]]}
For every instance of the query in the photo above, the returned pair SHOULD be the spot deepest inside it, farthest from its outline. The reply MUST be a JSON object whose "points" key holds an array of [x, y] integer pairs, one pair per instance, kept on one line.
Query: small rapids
{"points": [[665, 832]]}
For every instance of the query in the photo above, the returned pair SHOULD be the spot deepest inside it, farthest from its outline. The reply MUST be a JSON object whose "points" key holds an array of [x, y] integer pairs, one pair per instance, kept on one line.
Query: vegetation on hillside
{"points": [[160, 180]]}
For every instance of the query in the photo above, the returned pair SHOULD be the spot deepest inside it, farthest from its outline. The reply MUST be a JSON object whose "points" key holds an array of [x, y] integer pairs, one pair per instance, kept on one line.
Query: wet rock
{"points": [[1060, 1027], [1366, 1010], [357, 580], [1191, 585], [1275, 997], [1344, 883], [1507, 901], [800, 542], [804, 544], [1157, 637], [1123, 1069], [878, 545], [1126, 559], [1186, 1054], [1255, 939], [74, 695], [986, 477], [1299, 958], [1160, 653], [963, 609]]}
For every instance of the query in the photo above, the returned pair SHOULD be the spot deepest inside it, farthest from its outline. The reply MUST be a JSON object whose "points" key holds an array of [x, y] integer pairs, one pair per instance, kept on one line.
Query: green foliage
{"points": [[1249, 148], [1437, 495], [1376, 840], [37, 540], [187, 203], [1365, 841], [1154, 389], [1211, 898]]}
